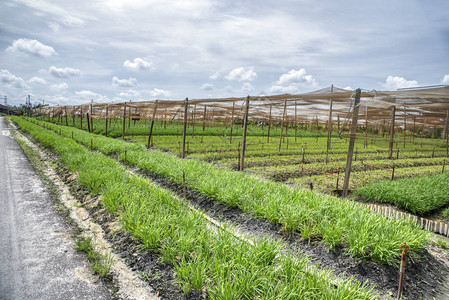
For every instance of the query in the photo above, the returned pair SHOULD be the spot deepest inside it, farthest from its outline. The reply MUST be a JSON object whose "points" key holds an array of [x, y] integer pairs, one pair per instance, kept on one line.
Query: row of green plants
{"points": [[336, 222], [420, 195], [358, 179], [280, 171], [175, 128], [203, 259]]}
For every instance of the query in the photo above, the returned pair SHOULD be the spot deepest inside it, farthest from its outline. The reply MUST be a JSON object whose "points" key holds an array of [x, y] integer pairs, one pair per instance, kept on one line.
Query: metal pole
{"points": [[355, 117]]}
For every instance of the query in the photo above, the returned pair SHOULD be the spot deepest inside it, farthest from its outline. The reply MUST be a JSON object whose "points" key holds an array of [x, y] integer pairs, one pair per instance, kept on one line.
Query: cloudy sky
{"points": [[71, 52]]}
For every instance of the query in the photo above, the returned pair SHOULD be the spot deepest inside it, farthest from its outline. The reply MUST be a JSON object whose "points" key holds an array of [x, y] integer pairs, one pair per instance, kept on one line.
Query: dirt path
{"points": [[37, 260]]}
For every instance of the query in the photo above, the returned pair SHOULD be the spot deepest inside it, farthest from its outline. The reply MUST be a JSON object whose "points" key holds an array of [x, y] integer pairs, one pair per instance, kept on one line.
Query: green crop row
{"points": [[281, 172], [421, 195], [203, 259], [326, 183], [337, 222], [174, 128]]}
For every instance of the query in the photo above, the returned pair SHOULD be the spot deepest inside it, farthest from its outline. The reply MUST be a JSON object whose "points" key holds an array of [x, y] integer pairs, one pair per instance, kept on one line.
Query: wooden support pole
{"points": [[232, 121], [338, 125], [296, 120], [366, 126], [245, 125], [152, 125], [66, 121], [405, 124], [390, 149], [184, 132], [81, 116], [193, 120], [124, 121], [447, 133], [91, 119], [355, 117], [269, 125], [204, 117], [107, 120], [129, 117], [329, 127], [282, 125], [88, 123]]}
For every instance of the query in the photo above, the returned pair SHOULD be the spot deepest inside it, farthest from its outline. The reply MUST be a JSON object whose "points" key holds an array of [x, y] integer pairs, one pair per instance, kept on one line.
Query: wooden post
{"points": [[232, 121], [151, 125], [390, 149], [129, 117], [73, 117], [447, 133], [204, 117], [296, 120], [88, 123], [338, 125], [66, 121], [366, 126], [282, 125], [91, 120], [193, 120], [81, 116], [355, 117], [269, 126], [124, 119], [186, 105], [107, 120], [405, 124], [329, 127], [245, 125], [338, 178]]}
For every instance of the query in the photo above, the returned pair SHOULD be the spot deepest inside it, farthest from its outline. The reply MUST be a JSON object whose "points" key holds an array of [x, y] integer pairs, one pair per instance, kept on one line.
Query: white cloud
{"points": [[215, 76], [445, 79], [207, 87], [242, 74], [137, 64], [124, 82], [348, 88], [396, 82], [59, 86], [159, 93], [89, 95], [291, 81], [129, 94], [32, 47], [11, 80], [64, 72], [38, 80], [247, 87]]}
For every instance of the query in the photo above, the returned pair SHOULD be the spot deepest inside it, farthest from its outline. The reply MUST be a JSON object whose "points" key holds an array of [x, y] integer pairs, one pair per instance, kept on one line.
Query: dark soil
{"points": [[424, 273]]}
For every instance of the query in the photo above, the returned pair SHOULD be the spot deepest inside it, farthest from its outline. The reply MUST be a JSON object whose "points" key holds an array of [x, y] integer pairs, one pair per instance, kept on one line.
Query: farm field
{"points": [[306, 215], [300, 156]]}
